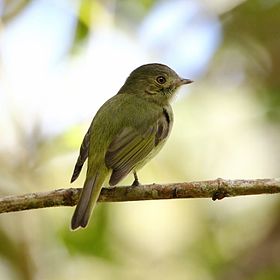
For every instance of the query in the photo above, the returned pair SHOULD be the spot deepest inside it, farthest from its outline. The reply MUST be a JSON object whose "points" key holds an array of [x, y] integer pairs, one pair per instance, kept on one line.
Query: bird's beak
{"points": [[185, 81], [181, 81]]}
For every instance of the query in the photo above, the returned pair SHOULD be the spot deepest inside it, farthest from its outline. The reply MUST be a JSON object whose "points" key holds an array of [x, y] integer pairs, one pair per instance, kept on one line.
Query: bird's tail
{"points": [[88, 198]]}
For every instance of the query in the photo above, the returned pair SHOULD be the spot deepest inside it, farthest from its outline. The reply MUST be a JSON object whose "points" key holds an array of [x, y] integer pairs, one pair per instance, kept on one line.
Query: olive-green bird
{"points": [[126, 132]]}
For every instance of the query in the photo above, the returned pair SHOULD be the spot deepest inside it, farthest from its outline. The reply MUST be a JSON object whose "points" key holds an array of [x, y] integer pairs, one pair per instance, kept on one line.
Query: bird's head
{"points": [[156, 82]]}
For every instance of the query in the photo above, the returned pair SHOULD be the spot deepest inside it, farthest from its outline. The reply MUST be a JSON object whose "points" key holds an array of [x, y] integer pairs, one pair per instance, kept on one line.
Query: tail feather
{"points": [[87, 201]]}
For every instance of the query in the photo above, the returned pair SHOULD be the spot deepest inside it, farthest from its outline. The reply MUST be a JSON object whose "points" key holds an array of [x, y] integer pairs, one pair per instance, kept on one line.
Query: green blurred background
{"points": [[60, 60]]}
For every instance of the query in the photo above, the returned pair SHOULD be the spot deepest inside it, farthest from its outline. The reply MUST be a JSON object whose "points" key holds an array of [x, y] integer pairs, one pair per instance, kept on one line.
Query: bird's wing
{"points": [[130, 147], [82, 157]]}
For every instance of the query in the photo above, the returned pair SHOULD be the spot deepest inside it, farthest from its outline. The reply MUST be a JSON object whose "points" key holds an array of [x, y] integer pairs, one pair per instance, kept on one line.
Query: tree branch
{"points": [[215, 189]]}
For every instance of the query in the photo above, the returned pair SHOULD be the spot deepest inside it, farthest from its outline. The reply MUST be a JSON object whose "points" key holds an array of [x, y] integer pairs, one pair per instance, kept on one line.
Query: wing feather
{"points": [[82, 156], [130, 147]]}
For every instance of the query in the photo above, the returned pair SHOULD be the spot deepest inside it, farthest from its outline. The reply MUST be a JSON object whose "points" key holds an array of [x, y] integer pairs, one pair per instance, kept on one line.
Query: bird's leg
{"points": [[136, 181]]}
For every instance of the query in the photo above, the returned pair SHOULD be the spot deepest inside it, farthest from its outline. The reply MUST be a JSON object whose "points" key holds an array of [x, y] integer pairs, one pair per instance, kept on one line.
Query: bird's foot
{"points": [[136, 182]]}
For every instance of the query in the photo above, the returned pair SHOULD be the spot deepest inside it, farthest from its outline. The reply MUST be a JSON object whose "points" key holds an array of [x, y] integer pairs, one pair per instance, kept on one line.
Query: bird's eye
{"points": [[161, 80]]}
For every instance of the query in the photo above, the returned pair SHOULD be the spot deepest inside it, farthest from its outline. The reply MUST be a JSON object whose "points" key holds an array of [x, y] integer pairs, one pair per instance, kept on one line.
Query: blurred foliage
{"points": [[254, 26], [94, 240], [17, 254], [83, 23], [12, 8], [231, 239]]}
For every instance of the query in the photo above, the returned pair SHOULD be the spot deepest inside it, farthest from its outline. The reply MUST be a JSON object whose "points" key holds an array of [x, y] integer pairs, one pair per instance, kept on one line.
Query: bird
{"points": [[127, 131]]}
